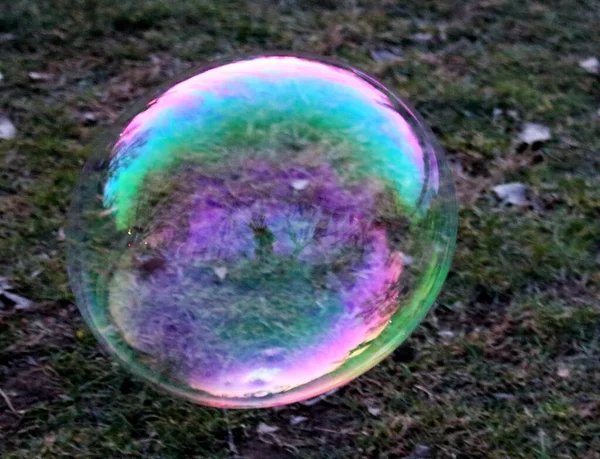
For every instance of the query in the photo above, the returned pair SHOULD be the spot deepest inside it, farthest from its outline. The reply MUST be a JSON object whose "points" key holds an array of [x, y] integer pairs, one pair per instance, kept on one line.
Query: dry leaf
{"points": [[590, 64], [20, 302], [512, 193], [295, 420], [514, 114], [299, 184], [373, 410], [563, 371], [422, 37], [384, 55], [446, 333], [39, 76], [89, 118], [221, 272], [533, 133], [7, 129], [266, 429]]}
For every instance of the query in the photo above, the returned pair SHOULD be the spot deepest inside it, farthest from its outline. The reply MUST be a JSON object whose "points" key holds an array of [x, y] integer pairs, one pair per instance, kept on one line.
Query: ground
{"points": [[506, 366]]}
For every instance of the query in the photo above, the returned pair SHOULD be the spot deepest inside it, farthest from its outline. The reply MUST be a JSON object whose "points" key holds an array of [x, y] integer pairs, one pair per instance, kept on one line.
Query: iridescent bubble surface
{"points": [[261, 232]]}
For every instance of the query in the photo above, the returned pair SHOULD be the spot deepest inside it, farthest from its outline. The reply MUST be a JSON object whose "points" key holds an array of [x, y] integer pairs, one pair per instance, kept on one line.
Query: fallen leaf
{"points": [[533, 133], [373, 410], [39, 76], [107, 212], [384, 55], [512, 193], [19, 301], [266, 429], [221, 272], [295, 420], [89, 118], [563, 371], [7, 129], [590, 64], [299, 184], [422, 37], [514, 114], [446, 333]]}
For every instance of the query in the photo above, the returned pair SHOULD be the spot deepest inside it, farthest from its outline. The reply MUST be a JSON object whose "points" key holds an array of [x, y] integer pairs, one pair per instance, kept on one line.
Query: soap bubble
{"points": [[261, 232]]}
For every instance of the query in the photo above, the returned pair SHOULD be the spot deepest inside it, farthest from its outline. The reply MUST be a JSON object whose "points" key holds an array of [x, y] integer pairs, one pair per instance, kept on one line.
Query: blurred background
{"points": [[506, 366]]}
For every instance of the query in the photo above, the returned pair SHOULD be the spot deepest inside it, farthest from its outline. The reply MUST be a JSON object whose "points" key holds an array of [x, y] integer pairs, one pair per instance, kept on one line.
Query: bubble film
{"points": [[261, 232]]}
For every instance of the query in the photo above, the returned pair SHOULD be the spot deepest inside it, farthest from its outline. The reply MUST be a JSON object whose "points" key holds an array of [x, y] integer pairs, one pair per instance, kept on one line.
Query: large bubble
{"points": [[261, 232]]}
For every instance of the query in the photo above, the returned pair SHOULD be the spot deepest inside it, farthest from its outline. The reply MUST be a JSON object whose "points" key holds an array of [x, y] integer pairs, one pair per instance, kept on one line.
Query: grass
{"points": [[506, 365]]}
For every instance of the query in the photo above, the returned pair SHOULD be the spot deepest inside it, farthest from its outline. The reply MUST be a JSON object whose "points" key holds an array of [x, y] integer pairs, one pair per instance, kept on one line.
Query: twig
{"points": [[422, 389], [9, 403]]}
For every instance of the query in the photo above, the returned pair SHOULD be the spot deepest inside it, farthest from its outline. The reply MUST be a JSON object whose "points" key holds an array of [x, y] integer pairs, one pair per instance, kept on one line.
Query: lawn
{"points": [[507, 365]]}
